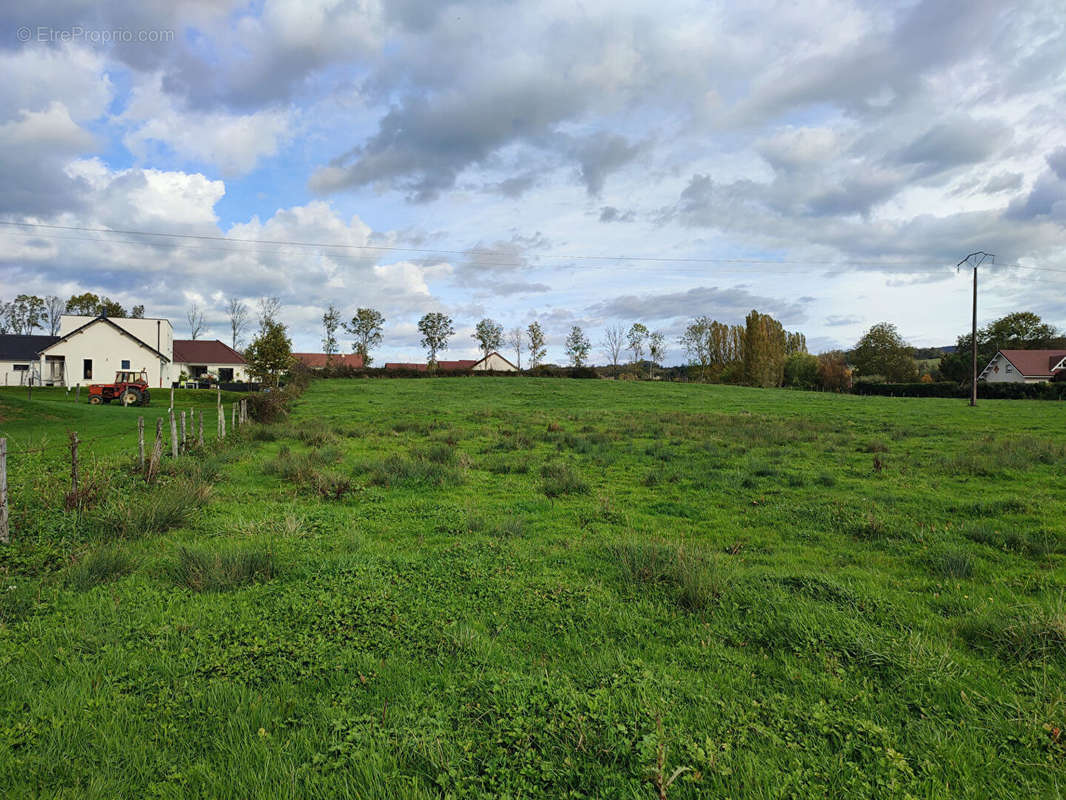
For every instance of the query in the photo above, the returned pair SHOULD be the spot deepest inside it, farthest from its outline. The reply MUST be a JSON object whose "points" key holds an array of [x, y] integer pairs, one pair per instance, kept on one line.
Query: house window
{"points": [[87, 369], [1010, 370], [20, 367], [225, 374], [198, 371], [125, 363]]}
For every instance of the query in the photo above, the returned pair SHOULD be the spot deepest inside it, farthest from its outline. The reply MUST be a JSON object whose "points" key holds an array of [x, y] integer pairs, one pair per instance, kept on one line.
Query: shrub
{"points": [[215, 572], [559, 479]]}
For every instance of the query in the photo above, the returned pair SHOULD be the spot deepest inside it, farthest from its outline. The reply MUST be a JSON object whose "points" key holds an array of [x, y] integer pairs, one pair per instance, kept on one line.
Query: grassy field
{"points": [[546, 588]]}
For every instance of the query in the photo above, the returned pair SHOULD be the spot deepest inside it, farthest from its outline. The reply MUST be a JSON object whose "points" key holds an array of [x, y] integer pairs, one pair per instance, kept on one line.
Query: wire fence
{"points": [[191, 434]]}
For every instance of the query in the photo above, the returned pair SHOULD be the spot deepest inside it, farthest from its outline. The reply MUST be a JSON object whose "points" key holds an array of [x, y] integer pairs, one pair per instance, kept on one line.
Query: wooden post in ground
{"points": [[233, 417], [74, 465], [157, 451], [77, 393], [183, 447], [140, 440], [172, 397], [222, 422], [200, 438], [5, 534], [173, 434]]}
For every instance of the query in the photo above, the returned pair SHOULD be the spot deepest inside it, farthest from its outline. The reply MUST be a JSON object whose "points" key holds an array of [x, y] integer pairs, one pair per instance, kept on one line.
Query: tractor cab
{"points": [[130, 388]]}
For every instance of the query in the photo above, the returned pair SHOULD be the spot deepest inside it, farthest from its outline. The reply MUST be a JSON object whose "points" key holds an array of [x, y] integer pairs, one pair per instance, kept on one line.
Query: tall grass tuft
{"points": [[559, 479], [201, 571], [397, 470], [1027, 633], [166, 506], [103, 565], [694, 579]]}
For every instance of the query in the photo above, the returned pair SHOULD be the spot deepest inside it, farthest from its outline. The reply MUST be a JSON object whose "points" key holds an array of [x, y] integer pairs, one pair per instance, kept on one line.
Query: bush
{"points": [[215, 572]]}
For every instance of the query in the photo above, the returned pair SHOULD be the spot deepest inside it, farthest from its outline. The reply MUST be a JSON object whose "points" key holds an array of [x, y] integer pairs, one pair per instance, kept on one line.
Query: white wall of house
{"points": [[96, 353], [495, 362], [157, 333], [16, 373], [240, 371], [1000, 370]]}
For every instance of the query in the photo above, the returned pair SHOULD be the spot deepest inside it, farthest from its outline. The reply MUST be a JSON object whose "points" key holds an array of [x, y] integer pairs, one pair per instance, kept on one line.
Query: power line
{"points": [[473, 253]]}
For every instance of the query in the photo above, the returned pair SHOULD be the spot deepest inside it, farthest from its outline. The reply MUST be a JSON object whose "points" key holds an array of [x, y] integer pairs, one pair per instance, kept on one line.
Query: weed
{"points": [[509, 527], [1029, 633], [558, 479], [316, 433], [952, 564], [696, 580], [202, 571], [166, 506], [501, 465], [397, 470]]}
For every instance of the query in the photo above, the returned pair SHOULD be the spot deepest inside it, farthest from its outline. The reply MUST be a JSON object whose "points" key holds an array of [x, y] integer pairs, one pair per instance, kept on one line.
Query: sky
{"points": [[580, 163]]}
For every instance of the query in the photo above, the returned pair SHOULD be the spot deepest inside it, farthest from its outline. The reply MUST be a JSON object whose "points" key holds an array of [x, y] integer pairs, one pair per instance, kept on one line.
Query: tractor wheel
{"points": [[95, 399], [146, 398], [131, 397]]}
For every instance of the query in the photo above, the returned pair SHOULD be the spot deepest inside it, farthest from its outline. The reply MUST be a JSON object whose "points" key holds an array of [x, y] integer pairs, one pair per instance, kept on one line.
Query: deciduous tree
{"points": [[882, 351], [269, 355], [435, 328], [577, 346], [331, 320], [365, 327], [635, 339], [53, 312], [488, 334], [535, 348], [238, 320], [514, 339], [614, 342], [195, 318]]}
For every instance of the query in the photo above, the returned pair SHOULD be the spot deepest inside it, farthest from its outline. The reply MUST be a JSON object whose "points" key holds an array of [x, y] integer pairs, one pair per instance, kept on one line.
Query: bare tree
{"points": [[196, 321], [515, 338], [614, 342], [269, 308], [53, 310], [331, 320], [238, 319]]}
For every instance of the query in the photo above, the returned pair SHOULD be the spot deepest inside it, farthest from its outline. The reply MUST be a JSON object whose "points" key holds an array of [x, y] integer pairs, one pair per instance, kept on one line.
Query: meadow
{"points": [[458, 588]]}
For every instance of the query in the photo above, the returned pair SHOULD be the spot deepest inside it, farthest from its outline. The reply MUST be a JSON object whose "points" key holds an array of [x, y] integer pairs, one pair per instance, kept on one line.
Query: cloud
{"points": [[727, 305], [840, 320], [612, 214]]}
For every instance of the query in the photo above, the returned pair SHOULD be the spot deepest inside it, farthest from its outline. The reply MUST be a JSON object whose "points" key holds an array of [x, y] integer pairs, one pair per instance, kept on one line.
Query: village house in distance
{"points": [[1024, 366]]}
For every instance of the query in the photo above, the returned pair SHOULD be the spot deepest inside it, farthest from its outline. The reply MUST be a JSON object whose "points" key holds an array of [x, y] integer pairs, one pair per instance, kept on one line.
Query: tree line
{"points": [[29, 312]]}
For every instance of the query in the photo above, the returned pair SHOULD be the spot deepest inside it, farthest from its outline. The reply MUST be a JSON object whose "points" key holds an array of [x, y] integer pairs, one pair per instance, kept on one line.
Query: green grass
{"points": [[542, 589]]}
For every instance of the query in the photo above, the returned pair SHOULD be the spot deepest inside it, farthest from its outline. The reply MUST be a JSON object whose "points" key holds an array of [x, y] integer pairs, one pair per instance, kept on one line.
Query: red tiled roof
{"points": [[205, 351], [319, 360], [441, 365], [1034, 363]]}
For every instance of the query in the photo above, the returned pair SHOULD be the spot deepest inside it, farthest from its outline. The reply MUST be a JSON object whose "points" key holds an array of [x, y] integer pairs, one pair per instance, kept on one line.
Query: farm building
{"points": [[492, 362], [199, 358], [321, 360], [18, 357], [93, 349], [1024, 366]]}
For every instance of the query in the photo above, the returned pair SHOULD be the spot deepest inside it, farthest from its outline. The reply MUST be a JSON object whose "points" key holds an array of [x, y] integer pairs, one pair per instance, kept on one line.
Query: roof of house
{"points": [[118, 328], [205, 351], [465, 363], [490, 355], [23, 347], [1034, 363], [319, 360]]}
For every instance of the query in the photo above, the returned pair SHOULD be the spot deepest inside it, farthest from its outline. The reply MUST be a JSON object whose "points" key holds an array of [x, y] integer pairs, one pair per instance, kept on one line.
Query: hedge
{"points": [[988, 391]]}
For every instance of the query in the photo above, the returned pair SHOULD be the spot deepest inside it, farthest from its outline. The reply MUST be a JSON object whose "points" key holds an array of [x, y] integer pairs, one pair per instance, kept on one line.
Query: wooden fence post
{"points": [[233, 416], [74, 465], [173, 434], [183, 447], [157, 452], [222, 422], [172, 397], [200, 438], [77, 393], [140, 440], [5, 534]]}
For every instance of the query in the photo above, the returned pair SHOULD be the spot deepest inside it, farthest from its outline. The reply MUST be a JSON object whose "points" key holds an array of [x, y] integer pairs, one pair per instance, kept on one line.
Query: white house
{"points": [[200, 357], [494, 362], [1024, 366], [93, 349]]}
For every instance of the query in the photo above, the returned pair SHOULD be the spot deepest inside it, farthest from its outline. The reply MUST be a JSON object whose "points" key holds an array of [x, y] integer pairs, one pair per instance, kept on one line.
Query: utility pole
{"points": [[975, 260]]}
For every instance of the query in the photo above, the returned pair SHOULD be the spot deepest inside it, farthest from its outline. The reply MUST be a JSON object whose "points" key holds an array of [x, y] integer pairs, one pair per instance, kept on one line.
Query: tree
{"points": [[801, 371], [366, 327], [137, 312], [53, 312], [91, 305], [196, 321], [765, 342], [489, 335], [713, 347], [331, 320], [657, 347], [514, 339], [435, 328], [270, 353], [5, 317], [882, 351], [833, 372], [238, 320], [635, 340], [26, 313], [577, 346], [536, 348], [614, 341], [269, 309]]}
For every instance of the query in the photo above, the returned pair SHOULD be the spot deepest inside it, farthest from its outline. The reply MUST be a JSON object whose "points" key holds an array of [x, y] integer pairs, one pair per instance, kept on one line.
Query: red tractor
{"points": [[129, 388]]}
